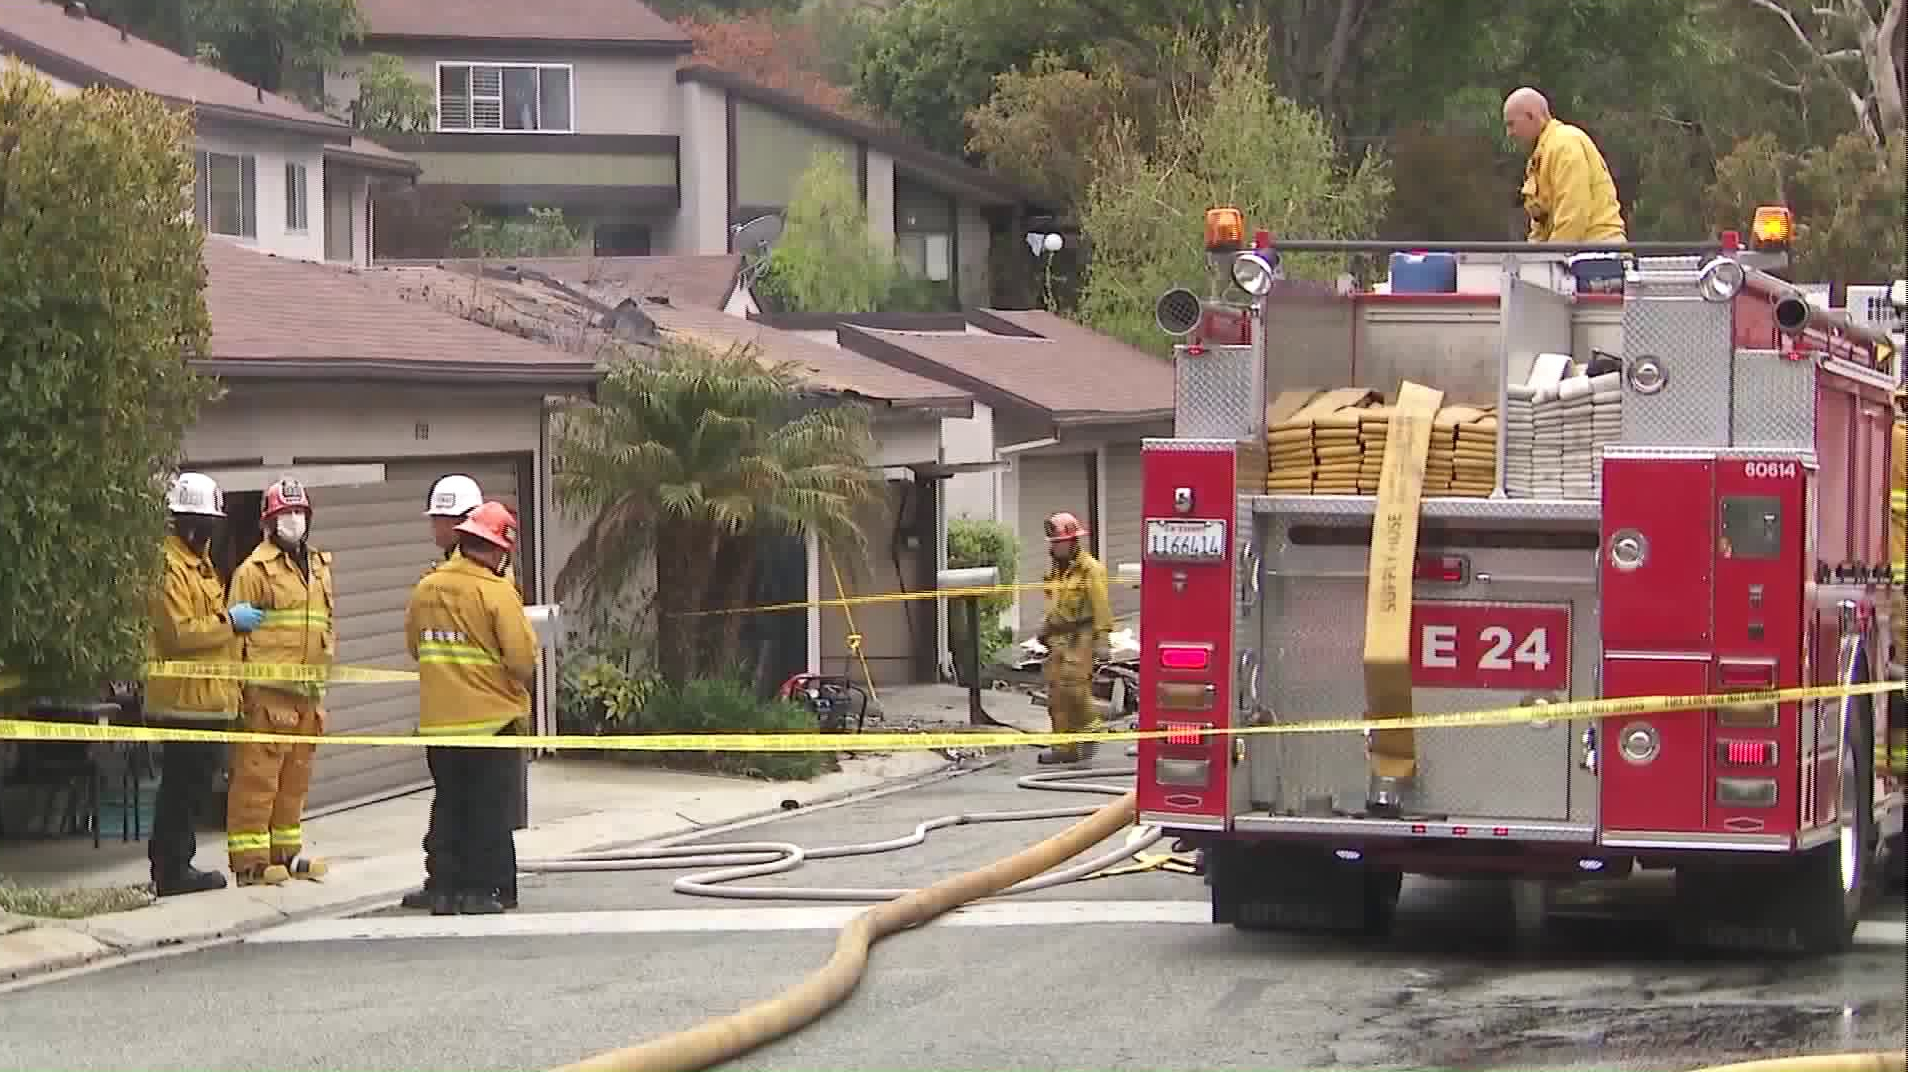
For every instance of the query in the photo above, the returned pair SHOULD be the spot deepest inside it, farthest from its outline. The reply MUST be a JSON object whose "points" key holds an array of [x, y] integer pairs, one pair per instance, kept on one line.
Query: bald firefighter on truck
{"points": [[1568, 192], [290, 581], [476, 657], [1079, 619]]}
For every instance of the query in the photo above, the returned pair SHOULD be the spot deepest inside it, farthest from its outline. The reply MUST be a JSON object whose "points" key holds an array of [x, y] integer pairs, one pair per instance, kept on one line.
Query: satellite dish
{"points": [[756, 236], [753, 240]]}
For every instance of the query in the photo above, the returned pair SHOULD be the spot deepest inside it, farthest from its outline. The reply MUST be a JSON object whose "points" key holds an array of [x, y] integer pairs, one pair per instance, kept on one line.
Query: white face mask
{"points": [[291, 527]]}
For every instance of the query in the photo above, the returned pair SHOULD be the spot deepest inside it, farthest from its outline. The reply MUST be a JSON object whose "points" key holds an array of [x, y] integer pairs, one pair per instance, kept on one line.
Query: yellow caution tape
{"points": [[17, 729], [334, 675], [890, 597]]}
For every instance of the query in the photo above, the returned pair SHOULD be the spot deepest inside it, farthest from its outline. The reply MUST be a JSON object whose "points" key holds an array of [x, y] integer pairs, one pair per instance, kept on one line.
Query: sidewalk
{"points": [[376, 854]]}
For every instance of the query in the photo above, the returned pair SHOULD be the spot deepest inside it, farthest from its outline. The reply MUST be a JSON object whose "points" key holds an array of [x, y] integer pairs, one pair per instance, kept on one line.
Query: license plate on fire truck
{"points": [[1171, 539], [1472, 645]]}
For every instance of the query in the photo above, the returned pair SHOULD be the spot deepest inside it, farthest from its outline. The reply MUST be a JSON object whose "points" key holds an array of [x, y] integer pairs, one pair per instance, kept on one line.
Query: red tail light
{"points": [[1447, 569], [1747, 753], [1184, 656], [1184, 733]]}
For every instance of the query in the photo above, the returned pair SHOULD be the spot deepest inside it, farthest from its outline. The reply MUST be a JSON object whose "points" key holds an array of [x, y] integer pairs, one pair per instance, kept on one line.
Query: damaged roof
{"points": [[1031, 360], [706, 280], [277, 317], [526, 302]]}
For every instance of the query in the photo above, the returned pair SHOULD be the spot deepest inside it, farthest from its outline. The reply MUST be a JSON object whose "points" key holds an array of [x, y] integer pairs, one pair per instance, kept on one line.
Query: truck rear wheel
{"points": [[1808, 905], [1300, 889]]}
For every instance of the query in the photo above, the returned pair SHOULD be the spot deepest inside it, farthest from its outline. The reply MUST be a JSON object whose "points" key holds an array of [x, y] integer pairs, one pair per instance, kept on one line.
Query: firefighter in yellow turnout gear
{"points": [[1079, 619], [476, 657], [290, 582], [190, 620]]}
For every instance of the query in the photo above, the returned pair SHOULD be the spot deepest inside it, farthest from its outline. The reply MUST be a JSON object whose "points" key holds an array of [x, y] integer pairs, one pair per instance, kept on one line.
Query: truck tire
{"points": [[1808, 905], [1300, 889]]}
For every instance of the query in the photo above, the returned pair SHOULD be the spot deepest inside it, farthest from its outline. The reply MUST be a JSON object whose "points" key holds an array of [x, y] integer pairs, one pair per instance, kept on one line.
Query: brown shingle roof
{"points": [[704, 281], [828, 367], [274, 316], [87, 51], [1066, 372], [605, 22]]}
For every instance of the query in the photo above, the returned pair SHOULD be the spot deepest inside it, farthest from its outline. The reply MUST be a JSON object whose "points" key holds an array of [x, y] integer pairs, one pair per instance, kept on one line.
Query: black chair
{"points": [[64, 782]]}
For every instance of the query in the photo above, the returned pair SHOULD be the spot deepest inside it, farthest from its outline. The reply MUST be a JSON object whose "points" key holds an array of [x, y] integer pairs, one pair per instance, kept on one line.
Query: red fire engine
{"points": [[1735, 538]]}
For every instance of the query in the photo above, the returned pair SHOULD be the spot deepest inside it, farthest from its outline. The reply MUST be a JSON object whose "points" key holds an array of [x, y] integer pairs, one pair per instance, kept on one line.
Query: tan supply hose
{"points": [[719, 1040], [1881, 1061]]}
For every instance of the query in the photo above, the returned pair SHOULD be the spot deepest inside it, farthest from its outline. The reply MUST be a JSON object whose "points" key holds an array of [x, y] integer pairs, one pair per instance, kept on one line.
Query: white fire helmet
{"points": [[195, 493], [454, 496]]}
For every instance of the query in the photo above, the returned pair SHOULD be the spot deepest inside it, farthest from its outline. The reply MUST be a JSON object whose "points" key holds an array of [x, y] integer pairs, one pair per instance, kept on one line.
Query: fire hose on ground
{"points": [[724, 1038]]}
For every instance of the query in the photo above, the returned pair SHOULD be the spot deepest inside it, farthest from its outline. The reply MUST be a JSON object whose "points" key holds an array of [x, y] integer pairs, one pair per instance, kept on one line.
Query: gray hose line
{"points": [[752, 859]]}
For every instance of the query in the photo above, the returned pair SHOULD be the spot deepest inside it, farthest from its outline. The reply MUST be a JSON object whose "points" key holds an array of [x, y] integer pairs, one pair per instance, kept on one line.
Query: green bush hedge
{"points": [[722, 705]]}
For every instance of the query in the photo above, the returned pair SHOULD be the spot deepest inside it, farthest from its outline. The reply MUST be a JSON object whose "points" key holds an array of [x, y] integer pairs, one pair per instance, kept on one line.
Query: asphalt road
{"points": [[595, 961]]}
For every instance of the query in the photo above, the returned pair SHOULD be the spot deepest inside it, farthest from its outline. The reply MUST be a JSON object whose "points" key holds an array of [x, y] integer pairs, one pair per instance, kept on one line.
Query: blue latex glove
{"points": [[245, 617]]}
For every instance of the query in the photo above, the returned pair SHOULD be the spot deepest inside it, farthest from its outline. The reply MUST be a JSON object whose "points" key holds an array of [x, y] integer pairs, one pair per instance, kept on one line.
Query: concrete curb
{"points": [[44, 948]]}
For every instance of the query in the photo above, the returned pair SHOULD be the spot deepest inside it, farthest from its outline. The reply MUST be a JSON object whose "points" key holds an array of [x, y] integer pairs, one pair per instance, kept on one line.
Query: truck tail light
{"points": [[1746, 792], [1444, 569], [1185, 733], [1185, 656], [1738, 753]]}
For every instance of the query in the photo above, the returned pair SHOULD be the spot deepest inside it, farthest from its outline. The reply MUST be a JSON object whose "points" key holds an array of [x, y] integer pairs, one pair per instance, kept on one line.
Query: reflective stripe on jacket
{"points": [[298, 629], [1076, 596], [1568, 192], [476, 653], [188, 622]]}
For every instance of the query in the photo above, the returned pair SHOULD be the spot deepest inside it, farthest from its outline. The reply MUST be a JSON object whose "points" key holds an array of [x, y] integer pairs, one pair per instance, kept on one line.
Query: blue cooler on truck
{"points": [[1424, 273]]}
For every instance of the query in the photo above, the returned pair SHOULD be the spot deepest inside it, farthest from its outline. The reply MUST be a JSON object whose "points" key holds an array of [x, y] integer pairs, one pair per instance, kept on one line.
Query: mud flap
{"points": [[1291, 888]]}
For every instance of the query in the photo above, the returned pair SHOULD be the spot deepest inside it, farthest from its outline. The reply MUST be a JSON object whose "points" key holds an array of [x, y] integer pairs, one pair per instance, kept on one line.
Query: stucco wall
{"points": [[271, 153], [275, 423], [613, 94]]}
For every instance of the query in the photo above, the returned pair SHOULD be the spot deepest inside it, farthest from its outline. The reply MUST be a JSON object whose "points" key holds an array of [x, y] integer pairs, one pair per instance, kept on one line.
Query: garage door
{"points": [[1045, 483], [380, 545], [1124, 526]]}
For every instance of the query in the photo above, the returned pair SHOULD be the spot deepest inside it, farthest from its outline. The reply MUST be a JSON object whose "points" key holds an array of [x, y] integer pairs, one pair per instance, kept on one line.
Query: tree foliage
{"points": [[1229, 140], [542, 232], [772, 51], [827, 261], [390, 100], [282, 46], [100, 280], [694, 457]]}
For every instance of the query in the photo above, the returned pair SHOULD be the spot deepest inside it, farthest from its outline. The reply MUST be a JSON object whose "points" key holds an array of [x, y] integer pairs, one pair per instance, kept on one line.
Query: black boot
{"points": [[189, 880], [479, 904], [443, 904], [419, 898]]}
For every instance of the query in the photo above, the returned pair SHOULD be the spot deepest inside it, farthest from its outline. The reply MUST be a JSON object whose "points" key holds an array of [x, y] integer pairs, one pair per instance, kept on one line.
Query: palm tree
{"points": [[697, 457]]}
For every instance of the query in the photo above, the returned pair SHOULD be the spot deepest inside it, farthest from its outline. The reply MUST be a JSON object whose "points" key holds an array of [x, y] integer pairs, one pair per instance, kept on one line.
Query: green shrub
{"points": [[596, 695], [101, 272], [970, 544], [725, 705]]}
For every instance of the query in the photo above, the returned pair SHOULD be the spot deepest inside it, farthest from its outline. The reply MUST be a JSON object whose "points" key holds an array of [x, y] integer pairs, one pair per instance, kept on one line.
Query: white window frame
{"points": [[297, 198], [248, 195], [437, 95]]}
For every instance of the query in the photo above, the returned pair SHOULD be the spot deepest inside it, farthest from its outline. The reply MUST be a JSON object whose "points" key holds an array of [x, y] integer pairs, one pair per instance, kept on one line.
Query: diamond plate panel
{"points": [[1248, 623], [1314, 600], [1215, 394], [1691, 339], [1774, 403]]}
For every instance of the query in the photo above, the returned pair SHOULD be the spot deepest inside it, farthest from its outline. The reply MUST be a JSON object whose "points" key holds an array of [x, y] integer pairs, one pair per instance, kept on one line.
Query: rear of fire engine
{"points": [[1728, 532]]}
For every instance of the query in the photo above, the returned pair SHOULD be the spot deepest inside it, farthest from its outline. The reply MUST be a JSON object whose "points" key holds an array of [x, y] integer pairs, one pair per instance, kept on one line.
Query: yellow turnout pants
{"points": [[1069, 678], [266, 802]]}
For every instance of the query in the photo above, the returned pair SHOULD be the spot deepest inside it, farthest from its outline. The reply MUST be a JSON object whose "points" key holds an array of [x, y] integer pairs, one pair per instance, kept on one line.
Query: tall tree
{"points": [[282, 46], [692, 458], [1229, 140], [826, 259], [1856, 48], [100, 304], [770, 50]]}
